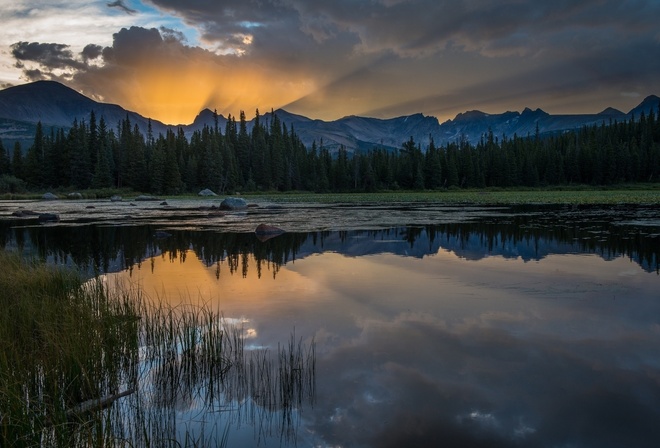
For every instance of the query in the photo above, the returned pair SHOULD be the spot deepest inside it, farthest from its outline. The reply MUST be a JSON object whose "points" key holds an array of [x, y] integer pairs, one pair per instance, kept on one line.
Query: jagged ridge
{"points": [[54, 104]]}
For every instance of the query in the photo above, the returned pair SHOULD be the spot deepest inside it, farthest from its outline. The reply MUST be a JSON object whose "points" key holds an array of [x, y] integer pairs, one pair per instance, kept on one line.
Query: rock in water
{"points": [[233, 204], [49, 217], [265, 232], [74, 196], [49, 196], [206, 192], [115, 198]]}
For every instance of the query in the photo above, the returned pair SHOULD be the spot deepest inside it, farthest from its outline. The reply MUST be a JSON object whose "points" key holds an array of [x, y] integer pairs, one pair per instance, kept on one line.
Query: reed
{"points": [[91, 364]]}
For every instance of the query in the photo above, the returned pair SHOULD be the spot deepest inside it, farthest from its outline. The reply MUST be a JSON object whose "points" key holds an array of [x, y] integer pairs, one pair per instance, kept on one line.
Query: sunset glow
{"points": [[183, 279], [154, 93], [168, 60]]}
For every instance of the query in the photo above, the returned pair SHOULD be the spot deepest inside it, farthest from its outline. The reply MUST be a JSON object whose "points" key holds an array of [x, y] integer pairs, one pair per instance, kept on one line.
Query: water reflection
{"points": [[114, 248], [498, 333]]}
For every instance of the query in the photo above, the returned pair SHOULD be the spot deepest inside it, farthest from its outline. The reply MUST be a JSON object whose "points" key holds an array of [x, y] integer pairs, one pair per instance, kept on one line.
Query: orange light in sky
{"points": [[176, 94]]}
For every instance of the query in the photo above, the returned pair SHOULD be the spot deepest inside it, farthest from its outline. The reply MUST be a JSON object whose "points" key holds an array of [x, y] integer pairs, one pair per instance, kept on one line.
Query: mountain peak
{"points": [[610, 111], [55, 104], [650, 103], [470, 115], [285, 115], [527, 111], [206, 115]]}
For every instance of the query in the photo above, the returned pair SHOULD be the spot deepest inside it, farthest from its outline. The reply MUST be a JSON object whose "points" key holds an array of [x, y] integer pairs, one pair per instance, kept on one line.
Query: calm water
{"points": [[437, 326]]}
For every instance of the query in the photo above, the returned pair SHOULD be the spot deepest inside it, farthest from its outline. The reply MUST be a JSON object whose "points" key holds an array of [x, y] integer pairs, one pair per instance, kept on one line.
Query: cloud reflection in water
{"points": [[445, 350]]}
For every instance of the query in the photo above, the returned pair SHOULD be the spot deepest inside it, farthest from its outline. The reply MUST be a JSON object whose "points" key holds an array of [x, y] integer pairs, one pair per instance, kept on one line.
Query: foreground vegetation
{"points": [[83, 366], [271, 156]]}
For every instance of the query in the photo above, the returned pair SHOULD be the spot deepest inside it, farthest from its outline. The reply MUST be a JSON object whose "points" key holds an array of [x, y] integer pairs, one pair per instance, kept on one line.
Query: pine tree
{"points": [[157, 167], [79, 163], [5, 161], [103, 167], [17, 161], [34, 159], [432, 167], [172, 183]]}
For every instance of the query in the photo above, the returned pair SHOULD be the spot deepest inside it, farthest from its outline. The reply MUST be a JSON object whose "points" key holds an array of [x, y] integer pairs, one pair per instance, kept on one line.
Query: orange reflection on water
{"points": [[180, 279]]}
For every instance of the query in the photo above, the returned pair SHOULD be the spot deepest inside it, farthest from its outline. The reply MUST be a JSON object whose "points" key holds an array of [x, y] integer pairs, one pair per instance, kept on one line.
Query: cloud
{"points": [[415, 380], [440, 49], [418, 28], [91, 51], [155, 73], [49, 57], [377, 57], [120, 5]]}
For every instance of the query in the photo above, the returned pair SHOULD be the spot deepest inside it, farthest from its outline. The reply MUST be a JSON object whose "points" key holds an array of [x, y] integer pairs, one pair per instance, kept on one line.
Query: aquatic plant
{"points": [[92, 364]]}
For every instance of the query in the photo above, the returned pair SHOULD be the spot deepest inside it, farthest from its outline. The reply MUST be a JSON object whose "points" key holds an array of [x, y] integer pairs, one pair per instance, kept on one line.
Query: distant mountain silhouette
{"points": [[56, 105]]}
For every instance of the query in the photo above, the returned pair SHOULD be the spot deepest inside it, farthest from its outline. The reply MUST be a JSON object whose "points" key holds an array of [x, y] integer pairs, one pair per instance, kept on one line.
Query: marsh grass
{"points": [[60, 345], [88, 364], [570, 195]]}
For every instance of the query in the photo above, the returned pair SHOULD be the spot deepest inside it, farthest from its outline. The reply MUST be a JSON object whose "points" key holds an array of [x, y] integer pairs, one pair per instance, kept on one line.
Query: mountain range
{"points": [[56, 105]]}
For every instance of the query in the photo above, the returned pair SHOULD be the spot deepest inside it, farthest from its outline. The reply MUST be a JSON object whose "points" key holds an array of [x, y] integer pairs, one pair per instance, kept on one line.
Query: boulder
{"points": [[163, 203], [115, 198], [233, 204], [49, 196], [49, 217], [74, 196], [206, 192], [265, 232]]}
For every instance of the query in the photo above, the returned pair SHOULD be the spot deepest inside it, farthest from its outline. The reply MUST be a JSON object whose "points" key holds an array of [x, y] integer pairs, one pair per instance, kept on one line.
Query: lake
{"points": [[433, 325]]}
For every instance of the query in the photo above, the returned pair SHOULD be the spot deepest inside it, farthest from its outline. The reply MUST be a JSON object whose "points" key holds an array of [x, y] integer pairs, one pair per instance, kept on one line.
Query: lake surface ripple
{"points": [[433, 325]]}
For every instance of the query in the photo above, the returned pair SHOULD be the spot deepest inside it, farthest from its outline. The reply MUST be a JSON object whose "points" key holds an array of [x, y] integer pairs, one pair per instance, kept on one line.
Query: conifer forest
{"points": [[271, 157]]}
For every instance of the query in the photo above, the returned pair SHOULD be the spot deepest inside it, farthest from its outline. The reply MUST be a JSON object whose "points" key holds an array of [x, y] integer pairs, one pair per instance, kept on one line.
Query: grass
{"points": [[84, 364], [648, 193], [647, 196], [60, 345]]}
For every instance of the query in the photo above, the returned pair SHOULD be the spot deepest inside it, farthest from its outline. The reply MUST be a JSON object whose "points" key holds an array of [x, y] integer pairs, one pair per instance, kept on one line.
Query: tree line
{"points": [[271, 156]]}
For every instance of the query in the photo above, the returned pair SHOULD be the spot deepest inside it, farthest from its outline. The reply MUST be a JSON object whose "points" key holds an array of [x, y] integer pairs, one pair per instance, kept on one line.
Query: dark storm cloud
{"points": [[172, 34], [35, 74], [589, 48], [417, 380], [423, 27], [131, 45], [391, 57], [49, 55], [39, 60], [120, 5], [228, 23], [91, 51]]}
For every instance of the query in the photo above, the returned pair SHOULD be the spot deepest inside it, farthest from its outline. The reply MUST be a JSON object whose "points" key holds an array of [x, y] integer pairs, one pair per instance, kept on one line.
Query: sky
{"points": [[169, 59]]}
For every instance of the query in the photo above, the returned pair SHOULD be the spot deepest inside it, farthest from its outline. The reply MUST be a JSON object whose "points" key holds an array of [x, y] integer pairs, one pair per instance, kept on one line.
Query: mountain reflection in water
{"points": [[482, 334]]}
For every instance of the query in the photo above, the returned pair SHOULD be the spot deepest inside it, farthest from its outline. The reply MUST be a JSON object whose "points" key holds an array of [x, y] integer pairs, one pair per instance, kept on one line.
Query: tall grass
{"points": [[60, 345], [85, 364]]}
